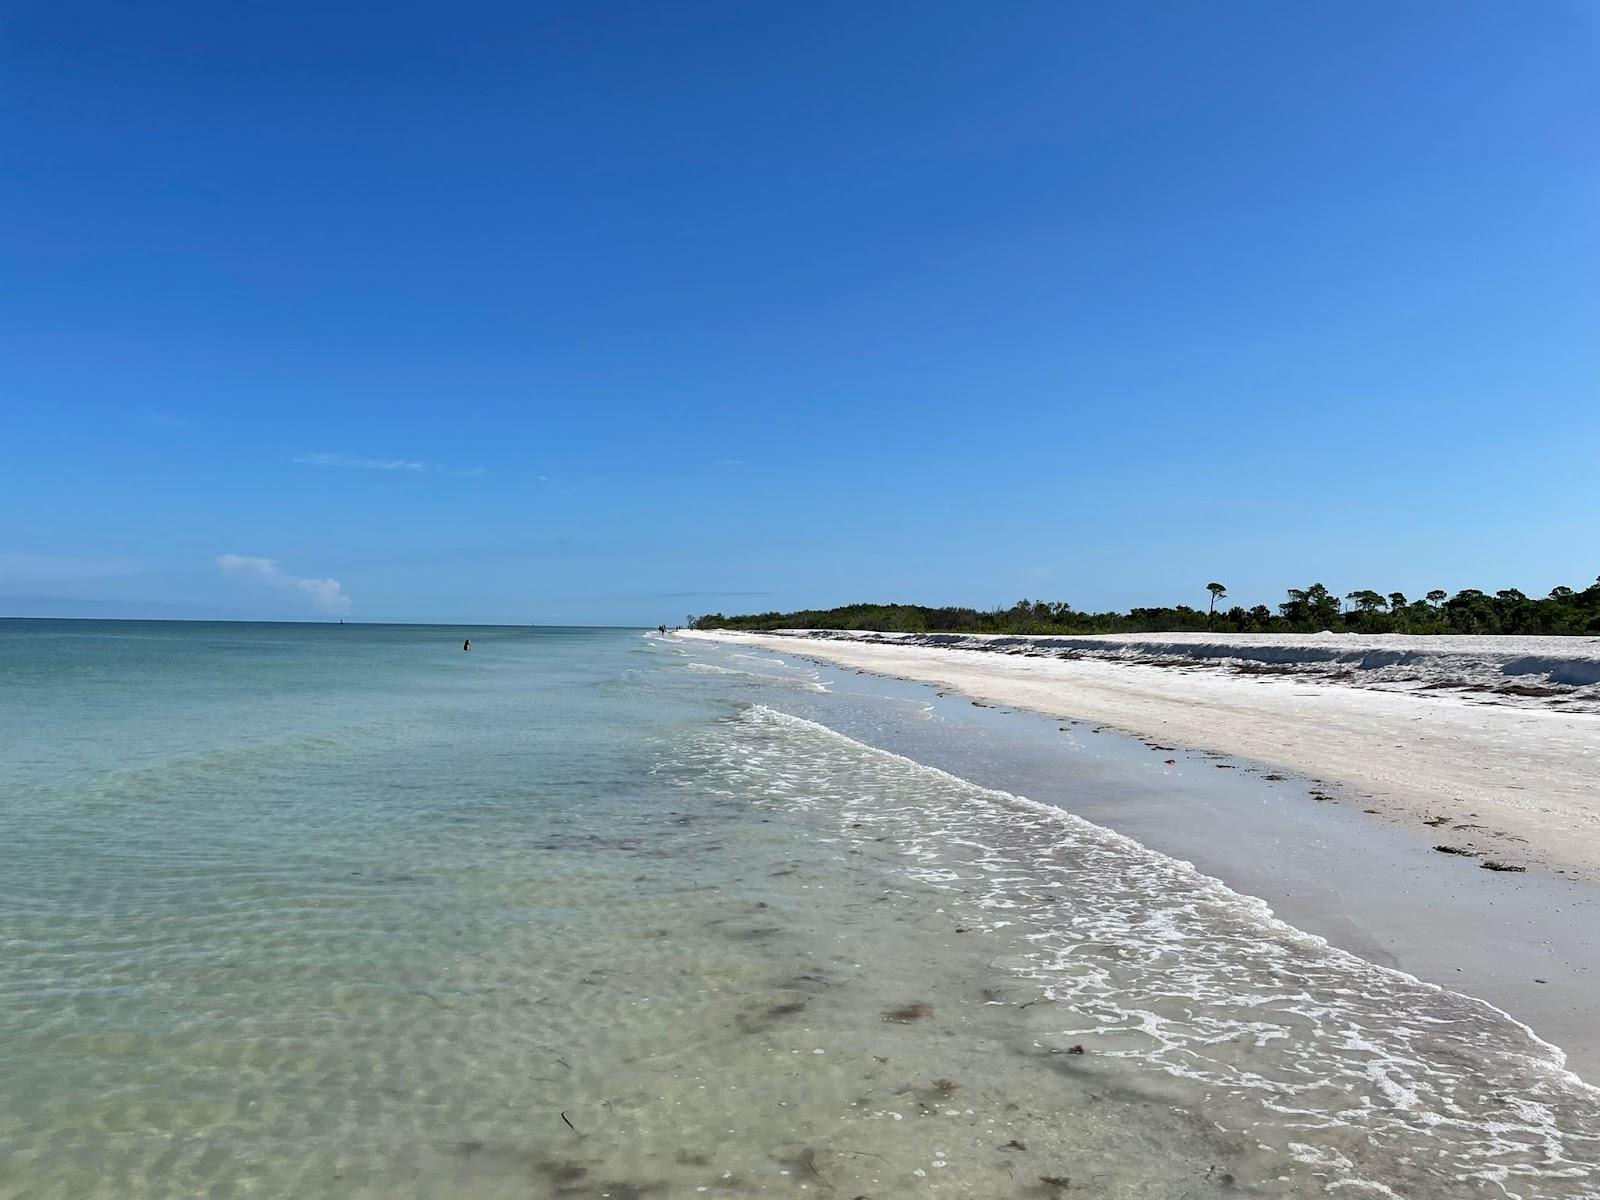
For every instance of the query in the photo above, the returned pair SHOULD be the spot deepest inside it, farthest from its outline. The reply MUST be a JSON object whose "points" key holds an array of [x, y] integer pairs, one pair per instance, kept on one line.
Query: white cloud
{"points": [[355, 462], [324, 595]]}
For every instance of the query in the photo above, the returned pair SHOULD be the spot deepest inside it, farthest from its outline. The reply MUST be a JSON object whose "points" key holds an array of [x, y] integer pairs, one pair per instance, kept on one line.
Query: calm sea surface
{"points": [[322, 911]]}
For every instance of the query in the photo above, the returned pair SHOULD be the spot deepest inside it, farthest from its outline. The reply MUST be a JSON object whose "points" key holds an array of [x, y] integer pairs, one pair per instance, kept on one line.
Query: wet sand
{"points": [[1500, 782], [1310, 846]]}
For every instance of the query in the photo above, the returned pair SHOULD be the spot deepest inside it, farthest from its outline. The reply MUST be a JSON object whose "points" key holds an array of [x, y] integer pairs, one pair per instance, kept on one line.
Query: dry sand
{"points": [[1509, 783]]}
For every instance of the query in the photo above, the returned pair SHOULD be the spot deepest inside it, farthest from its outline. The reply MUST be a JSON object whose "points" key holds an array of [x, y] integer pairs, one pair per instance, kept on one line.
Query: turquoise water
{"points": [[310, 911]]}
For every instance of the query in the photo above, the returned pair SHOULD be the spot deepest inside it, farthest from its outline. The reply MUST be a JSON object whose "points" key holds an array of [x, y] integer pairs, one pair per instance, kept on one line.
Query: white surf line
{"points": [[1425, 1096], [1525, 781]]}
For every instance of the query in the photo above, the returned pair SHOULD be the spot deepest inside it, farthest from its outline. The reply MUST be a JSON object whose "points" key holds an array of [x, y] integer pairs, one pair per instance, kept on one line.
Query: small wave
{"points": [[1356, 1076], [809, 680]]}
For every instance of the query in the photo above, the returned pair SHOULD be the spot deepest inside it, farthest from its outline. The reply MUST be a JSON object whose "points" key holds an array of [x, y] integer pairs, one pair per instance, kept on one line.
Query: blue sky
{"points": [[614, 313]]}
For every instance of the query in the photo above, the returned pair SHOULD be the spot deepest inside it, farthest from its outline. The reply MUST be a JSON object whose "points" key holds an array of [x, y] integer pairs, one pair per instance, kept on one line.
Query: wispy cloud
{"points": [[704, 595], [358, 462], [163, 420], [324, 595], [355, 462], [51, 568], [609, 597]]}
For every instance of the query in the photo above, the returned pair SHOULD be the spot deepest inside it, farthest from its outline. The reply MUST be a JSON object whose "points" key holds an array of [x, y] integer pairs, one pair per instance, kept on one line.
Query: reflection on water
{"points": [[289, 916]]}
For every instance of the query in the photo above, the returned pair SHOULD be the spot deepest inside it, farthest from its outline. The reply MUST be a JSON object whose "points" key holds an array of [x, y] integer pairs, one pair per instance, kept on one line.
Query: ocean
{"points": [[342, 911]]}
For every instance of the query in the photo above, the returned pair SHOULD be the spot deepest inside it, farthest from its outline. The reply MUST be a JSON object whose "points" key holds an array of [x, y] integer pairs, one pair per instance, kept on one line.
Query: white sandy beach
{"points": [[1509, 777]]}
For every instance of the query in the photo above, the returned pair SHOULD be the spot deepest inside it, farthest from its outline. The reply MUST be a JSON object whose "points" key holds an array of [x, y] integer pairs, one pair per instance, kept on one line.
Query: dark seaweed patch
{"points": [[765, 1020], [804, 1162], [907, 1013], [757, 934], [563, 1173]]}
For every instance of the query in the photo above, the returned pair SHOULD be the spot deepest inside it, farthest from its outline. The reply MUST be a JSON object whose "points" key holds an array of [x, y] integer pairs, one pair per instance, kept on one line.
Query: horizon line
{"points": [[334, 623]]}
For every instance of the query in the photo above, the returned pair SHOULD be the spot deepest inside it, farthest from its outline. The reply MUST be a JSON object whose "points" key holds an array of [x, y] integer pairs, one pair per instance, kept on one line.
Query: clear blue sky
{"points": [[614, 312]]}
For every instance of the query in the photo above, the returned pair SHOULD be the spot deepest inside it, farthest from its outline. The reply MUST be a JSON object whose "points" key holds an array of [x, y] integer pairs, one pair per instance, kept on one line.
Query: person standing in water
{"points": [[467, 645]]}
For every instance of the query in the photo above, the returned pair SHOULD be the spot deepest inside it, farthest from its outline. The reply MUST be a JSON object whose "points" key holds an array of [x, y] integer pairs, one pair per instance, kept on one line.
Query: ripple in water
{"points": [[307, 912], [1342, 1075]]}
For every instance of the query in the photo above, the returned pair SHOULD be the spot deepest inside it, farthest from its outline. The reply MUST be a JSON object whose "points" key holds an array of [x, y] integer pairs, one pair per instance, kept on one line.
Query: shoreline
{"points": [[1525, 942], [1507, 784]]}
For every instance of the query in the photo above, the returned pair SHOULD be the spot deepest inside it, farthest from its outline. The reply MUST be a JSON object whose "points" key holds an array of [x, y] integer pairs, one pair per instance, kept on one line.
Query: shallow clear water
{"points": [[312, 911]]}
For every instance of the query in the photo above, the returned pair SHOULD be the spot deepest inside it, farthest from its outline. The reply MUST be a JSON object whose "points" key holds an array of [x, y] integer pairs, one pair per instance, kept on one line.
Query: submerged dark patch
{"points": [[907, 1013]]}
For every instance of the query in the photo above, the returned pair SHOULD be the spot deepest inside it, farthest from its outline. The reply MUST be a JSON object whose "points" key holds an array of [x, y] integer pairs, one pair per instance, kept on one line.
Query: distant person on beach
{"points": [[661, 629], [467, 645]]}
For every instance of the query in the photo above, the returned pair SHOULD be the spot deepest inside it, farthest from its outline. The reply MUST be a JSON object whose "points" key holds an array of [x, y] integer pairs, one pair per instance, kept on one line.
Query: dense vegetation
{"points": [[1307, 610]]}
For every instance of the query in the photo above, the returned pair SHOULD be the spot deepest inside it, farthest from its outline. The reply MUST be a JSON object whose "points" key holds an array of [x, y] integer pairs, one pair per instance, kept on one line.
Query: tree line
{"points": [[1307, 610]]}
